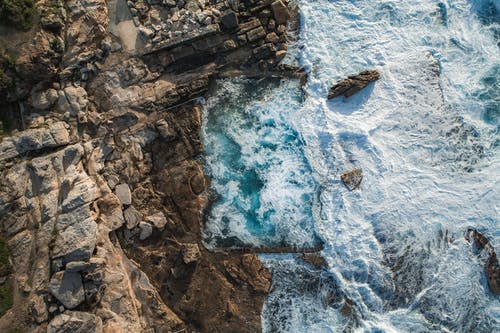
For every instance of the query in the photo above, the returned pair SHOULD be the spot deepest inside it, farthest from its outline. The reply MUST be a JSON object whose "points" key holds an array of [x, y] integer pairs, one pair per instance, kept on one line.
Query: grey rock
{"points": [[77, 266], [76, 242], [146, 230], [34, 139], [113, 180], [132, 217], [158, 220], [229, 20], [75, 322], [67, 287], [42, 100], [123, 193], [72, 99]]}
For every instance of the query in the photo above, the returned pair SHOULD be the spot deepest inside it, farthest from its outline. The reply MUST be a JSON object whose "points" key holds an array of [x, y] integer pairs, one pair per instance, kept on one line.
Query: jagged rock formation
{"points": [[353, 84], [491, 267], [101, 186]]}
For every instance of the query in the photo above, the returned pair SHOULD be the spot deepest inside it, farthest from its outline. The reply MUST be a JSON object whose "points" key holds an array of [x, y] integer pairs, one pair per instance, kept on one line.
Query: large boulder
{"points": [[353, 84], [75, 322], [229, 20], [67, 287], [280, 11]]}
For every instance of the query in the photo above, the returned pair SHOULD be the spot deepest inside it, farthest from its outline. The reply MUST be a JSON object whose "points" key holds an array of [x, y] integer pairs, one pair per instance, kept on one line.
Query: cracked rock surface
{"points": [[101, 184]]}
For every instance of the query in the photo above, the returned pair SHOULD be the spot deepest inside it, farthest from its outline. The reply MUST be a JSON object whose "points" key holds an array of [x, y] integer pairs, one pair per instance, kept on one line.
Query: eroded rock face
{"points": [[110, 159], [353, 84], [75, 322]]}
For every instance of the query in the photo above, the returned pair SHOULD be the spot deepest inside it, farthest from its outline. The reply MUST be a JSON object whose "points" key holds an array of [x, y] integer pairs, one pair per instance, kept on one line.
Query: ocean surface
{"points": [[426, 136]]}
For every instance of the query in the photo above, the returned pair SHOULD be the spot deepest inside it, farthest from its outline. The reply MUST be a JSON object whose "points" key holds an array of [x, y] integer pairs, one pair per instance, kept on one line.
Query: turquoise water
{"points": [[426, 137], [262, 185]]}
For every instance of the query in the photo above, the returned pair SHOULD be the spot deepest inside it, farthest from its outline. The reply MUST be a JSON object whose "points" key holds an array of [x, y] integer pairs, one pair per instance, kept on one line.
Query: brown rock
{"points": [[314, 259], [190, 253], [352, 179], [272, 38], [353, 84], [492, 271], [280, 11]]}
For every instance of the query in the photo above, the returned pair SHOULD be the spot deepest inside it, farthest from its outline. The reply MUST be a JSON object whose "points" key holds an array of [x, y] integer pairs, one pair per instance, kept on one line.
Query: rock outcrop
{"points": [[352, 179], [491, 267], [353, 84], [101, 185]]}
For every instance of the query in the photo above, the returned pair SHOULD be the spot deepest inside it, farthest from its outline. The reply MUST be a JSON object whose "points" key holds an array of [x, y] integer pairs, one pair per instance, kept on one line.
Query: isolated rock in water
{"points": [[75, 322], [67, 287], [492, 267], [353, 84], [492, 271], [314, 259], [352, 179], [480, 241], [122, 191]]}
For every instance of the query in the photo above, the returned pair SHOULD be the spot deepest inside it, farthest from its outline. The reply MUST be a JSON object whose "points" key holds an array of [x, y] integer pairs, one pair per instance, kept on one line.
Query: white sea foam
{"points": [[264, 186], [429, 158]]}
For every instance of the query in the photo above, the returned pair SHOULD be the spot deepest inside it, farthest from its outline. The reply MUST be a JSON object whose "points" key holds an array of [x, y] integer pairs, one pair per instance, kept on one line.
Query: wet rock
{"points": [[67, 287], [492, 267], [190, 253], [492, 271], [353, 84], [264, 51], [75, 322], [352, 179], [480, 241], [280, 12], [132, 217], [229, 20], [123, 193], [314, 259], [280, 55], [146, 230]]}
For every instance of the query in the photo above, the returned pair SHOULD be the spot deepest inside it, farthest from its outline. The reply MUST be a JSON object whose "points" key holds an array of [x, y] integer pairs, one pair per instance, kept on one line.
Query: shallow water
{"points": [[425, 136]]}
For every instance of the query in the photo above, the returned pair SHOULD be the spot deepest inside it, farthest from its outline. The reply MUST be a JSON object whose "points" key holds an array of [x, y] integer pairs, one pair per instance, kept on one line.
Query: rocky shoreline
{"points": [[101, 183]]}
